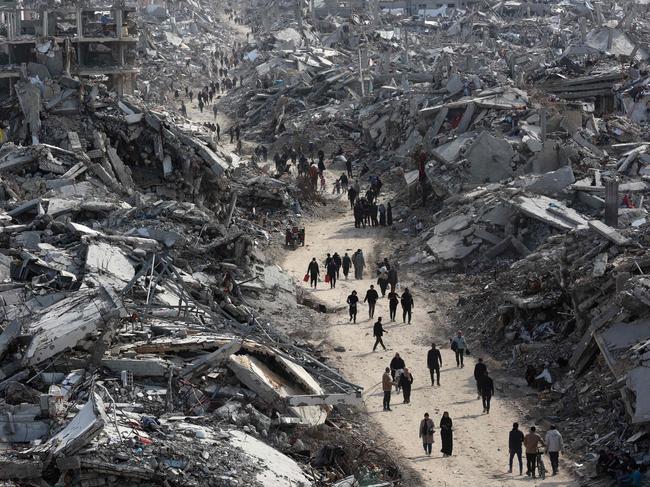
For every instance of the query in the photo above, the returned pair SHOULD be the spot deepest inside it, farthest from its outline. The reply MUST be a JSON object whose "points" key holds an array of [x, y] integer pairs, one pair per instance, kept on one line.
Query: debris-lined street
{"points": [[184, 185], [480, 455]]}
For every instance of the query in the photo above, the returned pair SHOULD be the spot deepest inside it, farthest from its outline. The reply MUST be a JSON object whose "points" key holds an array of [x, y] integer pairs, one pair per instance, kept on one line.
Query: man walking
{"points": [[486, 386], [458, 345], [515, 441], [479, 369], [407, 305], [313, 272], [427, 429], [371, 297], [393, 301], [346, 263], [352, 301], [332, 271], [554, 445], [359, 263], [337, 260], [434, 362], [531, 441], [387, 385], [378, 332]]}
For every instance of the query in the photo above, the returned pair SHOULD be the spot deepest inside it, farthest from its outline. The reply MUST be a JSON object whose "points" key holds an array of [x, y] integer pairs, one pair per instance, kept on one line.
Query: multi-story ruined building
{"points": [[78, 39]]}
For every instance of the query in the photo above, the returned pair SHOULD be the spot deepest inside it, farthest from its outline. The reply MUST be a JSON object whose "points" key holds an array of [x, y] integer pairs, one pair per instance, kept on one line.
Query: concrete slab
{"points": [[87, 424], [278, 469], [550, 211], [490, 159]]}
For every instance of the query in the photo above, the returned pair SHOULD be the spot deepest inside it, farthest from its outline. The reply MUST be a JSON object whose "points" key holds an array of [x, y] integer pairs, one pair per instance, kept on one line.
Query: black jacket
{"points": [[479, 370], [347, 262], [371, 296], [353, 299], [378, 330], [337, 260], [397, 363], [407, 300], [434, 359], [486, 386], [404, 382], [313, 268], [515, 440]]}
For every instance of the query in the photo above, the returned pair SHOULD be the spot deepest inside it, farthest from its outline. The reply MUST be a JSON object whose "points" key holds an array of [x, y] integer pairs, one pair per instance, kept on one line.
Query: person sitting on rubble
{"points": [[530, 374], [544, 380], [631, 477], [607, 463]]}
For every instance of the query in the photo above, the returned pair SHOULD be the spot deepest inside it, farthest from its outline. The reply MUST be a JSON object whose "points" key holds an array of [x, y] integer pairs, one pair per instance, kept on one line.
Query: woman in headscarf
{"points": [[446, 434]]}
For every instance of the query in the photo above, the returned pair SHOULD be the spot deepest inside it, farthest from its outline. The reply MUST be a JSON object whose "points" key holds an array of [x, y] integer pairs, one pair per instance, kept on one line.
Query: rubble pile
{"points": [[135, 347], [525, 127]]}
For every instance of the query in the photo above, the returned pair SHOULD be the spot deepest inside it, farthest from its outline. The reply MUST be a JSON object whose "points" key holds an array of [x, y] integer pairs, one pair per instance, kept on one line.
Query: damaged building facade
{"points": [[79, 39]]}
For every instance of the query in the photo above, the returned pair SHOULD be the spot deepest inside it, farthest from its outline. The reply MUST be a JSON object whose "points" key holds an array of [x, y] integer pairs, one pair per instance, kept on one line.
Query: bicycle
{"points": [[541, 468]]}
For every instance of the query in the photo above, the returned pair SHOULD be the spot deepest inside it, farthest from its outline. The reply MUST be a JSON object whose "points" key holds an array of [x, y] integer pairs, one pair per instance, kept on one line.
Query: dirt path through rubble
{"points": [[480, 441]]}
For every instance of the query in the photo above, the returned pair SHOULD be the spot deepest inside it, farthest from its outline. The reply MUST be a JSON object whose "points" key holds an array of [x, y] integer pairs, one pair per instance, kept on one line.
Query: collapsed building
{"points": [[133, 263], [531, 124], [134, 347]]}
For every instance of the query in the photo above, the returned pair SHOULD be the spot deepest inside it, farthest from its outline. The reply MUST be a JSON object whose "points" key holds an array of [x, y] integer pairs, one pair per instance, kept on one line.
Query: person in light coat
{"points": [[359, 263], [554, 445], [427, 428]]}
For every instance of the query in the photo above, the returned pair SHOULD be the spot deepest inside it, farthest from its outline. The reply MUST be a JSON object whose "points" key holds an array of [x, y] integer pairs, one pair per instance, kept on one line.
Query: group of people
{"points": [[366, 208], [398, 375], [532, 443], [333, 265]]}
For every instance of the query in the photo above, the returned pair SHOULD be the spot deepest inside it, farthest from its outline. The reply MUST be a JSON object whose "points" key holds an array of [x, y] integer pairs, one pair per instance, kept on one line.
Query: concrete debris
{"points": [[139, 297]]}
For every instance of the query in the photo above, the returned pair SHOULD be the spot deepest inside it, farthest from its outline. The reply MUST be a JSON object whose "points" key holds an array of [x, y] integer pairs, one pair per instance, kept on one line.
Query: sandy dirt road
{"points": [[480, 454]]}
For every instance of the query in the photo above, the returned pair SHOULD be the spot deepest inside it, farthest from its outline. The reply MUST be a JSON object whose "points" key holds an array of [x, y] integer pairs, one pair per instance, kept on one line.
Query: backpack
{"points": [[454, 345]]}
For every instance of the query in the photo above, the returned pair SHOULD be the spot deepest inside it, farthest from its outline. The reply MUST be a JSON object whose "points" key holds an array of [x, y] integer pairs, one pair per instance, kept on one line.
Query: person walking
{"points": [[397, 363], [348, 167], [479, 369], [515, 441], [382, 280], [359, 263], [352, 301], [332, 270], [434, 362], [378, 332], [531, 441], [446, 434], [337, 260], [393, 301], [346, 263], [458, 345], [392, 277], [371, 297], [389, 214], [405, 383], [486, 386], [427, 428], [554, 445], [387, 386], [313, 271], [407, 305], [215, 110], [382, 215], [352, 196]]}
